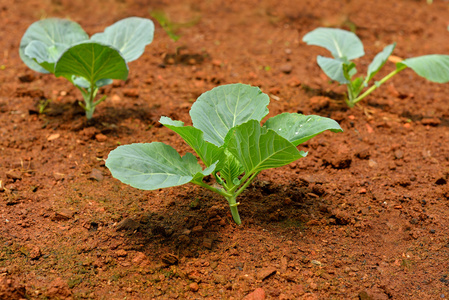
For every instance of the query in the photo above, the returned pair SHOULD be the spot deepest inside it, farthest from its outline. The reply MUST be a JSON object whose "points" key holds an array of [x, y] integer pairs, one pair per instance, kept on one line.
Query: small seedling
{"points": [[43, 105], [170, 27], [63, 48], [345, 46], [228, 138]]}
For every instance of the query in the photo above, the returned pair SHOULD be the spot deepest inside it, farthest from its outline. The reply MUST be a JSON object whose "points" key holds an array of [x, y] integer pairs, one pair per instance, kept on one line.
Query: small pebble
{"points": [[121, 253], [257, 294], [101, 137], [207, 243], [286, 68], [140, 256], [13, 174], [53, 136], [431, 121], [398, 154], [194, 287], [96, 175]]}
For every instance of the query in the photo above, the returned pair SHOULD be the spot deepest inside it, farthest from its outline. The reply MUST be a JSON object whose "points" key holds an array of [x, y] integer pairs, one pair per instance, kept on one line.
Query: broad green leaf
{"points": [[298, 128], [341, 43], [433, 67], [333, 68], [92, 61], [154, 166], [55, 35], [231, 169], [208, 153], [129, 36], [217, 111], [258, 148], [43, 55], [379, 61]]}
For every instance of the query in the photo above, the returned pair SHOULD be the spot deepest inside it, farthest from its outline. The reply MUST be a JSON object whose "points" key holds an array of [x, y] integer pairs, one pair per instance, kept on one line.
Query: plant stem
{"points": [[213, 189], [233, 202], [352, 102], [89, 96], [247, 182], [234, 210], [89, 100], [231, 195], [350, 98]]}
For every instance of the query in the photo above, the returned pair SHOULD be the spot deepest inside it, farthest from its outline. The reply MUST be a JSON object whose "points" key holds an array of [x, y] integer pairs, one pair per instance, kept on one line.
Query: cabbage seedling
{"points": [[345, 46], [229, 139], [63, 48]]}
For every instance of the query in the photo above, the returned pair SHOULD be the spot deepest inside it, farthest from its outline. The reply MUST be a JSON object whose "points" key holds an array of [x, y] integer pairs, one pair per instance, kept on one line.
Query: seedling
{"points": [[63, 48], [170, 27], [345, 46], [43, 105], [228, 138]]}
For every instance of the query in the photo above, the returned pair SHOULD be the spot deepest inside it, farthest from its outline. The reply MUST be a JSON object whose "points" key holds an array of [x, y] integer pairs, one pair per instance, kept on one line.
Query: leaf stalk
{"points": [[353, 97]]}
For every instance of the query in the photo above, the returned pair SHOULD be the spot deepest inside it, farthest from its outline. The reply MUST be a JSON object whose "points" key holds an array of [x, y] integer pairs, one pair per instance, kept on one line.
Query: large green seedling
{"points": [[345, 46], [229, 139], [63, 48]]}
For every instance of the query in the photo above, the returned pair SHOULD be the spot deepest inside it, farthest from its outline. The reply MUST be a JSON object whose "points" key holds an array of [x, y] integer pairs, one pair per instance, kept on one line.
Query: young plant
{"points": [[63, 48], [345, 46], [228, 138], [170, 27]]}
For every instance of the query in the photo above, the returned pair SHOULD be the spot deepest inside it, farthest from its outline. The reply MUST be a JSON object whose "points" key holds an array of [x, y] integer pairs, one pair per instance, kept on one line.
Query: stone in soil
{"points": [[96, 175], [62, 215], [14, 174], [35, 252], [219, 279], [101, 137], [139, 257], [265, 273], [207, 243], [431, 121], [194, 287], [257, 294], [127, 224], [169, 259], [286, 68], [121, 253]]}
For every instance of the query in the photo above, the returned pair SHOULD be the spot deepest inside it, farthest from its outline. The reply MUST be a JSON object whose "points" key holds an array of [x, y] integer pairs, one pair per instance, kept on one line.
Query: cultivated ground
{"points": [[363, 216]]}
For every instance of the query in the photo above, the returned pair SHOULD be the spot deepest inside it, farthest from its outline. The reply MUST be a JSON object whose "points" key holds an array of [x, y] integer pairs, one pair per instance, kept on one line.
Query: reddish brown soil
{"points": [[363, 216]]}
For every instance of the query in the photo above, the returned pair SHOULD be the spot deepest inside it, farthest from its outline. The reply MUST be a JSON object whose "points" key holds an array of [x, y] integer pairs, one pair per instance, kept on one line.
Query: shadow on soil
{"points": [[195, 222]]}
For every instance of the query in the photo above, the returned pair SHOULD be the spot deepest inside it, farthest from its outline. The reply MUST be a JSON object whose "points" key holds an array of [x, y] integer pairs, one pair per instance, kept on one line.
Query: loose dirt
{"points": [[363, 216]]}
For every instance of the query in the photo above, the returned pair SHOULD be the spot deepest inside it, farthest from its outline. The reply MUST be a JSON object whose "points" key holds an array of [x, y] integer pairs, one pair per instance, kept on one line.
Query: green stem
{"points": [[90, 105], [350, 98], [247, 182], [100, 100], [234, 210], [231, 195], [351, 102], [233, 202], [89, 96], [213, 189]]}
